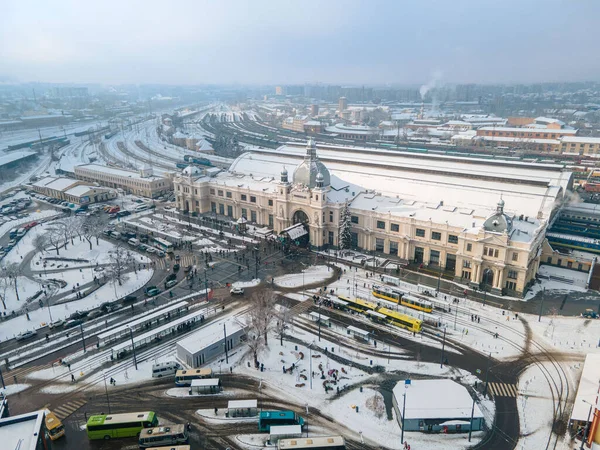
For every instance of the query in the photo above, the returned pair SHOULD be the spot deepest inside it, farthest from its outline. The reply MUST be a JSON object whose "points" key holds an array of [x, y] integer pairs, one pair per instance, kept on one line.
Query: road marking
{"points": [[503, 389], [65, 410]]}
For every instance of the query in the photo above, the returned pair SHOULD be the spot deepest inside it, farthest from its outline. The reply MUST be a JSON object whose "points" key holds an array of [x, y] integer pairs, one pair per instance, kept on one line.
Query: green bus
{"points": [[107, 426]]}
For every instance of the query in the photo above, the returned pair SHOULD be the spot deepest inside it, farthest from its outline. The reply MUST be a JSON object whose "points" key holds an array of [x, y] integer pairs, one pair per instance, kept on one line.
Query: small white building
{"points": [[209, 342], [436, 406]]}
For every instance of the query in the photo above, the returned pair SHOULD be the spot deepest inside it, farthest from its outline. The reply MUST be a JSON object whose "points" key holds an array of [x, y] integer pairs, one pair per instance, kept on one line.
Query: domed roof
{"points": [[307, 172], [191, 171], [498, 222], [320, 177], [284, 171]]}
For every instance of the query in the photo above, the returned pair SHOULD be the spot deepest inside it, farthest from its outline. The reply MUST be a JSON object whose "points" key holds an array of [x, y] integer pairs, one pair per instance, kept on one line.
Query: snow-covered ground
{"points": [[558, 279], [246, 284], [310, 275], [109, 292]]}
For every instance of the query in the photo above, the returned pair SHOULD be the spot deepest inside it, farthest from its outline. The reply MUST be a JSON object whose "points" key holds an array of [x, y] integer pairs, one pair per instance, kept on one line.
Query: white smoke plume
{"points": [[436, 77]]}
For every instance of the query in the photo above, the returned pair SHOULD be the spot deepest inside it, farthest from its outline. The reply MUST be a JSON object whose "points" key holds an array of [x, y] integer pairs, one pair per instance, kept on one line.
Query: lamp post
{"points": [[487, 372], [542, 304], [587, 424], [443, 347], [106, 391], [439, 279], [133, 348], [403, 414]]}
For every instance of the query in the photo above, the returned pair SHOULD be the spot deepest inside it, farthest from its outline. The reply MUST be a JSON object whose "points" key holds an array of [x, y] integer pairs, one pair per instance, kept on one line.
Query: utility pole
{"points": [[403, 414], [82, 338], [443, 346], [319, 320], [487, 372], [471, 422], [2, 379], [542, 304], [133, 348], [225, 333], [106, 391]]}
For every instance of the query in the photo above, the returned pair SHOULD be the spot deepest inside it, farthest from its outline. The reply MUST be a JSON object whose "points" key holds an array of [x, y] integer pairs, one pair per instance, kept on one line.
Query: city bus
{"points": [[163, 244], [313, 443], [185, 377], [54, 426], [107, 426], [167, 435], [268, 418], [171, 447]]}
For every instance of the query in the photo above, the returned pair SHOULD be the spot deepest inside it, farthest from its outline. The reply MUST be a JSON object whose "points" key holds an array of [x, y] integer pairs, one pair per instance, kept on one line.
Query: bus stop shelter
{"points": [[205, 386], [283, 432], [317, 317], [242, 408], [357, 333]]}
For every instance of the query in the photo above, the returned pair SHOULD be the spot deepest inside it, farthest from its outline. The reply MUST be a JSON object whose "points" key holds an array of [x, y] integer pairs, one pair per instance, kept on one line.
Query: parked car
{"points": [[150, 250], [161, 253], [170, 284], [58, 323], [188, 268], [152, 292], [236, 291], [129, 299], [95, 314], [73, 323], [78, 315], [176, 267], [171, 276], [25, 335]]}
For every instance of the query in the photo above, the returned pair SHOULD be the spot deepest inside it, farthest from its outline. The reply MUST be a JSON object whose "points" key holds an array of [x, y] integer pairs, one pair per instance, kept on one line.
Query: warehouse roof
{"points": [[115, 171]]}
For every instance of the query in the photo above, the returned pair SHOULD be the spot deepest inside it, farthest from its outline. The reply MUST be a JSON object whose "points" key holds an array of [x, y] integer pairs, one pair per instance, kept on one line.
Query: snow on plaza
{"points": [[386, 347]]}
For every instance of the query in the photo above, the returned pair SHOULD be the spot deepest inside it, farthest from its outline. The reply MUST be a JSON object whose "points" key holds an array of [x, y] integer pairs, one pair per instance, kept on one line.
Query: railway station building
{"points": [[482, 221]]}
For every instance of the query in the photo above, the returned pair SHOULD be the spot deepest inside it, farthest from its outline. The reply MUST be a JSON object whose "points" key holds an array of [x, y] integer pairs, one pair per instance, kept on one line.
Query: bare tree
{"points": [[120, 259], [92, 227], [13, 271], [40, 242], [283, 317], [262, 312], [255, 343], [55, 237], [5, 284]]}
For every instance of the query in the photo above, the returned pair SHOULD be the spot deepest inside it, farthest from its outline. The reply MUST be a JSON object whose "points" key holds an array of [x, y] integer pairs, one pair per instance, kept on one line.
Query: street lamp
{"points": [[82, 338], [443, 347], [587, 424], [133, 348]]}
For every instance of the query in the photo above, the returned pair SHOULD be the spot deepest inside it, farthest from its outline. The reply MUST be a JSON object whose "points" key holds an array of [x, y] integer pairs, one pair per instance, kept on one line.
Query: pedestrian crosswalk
{"points": [[65, 410], [302, 307], [166, 263], [503, 389]]}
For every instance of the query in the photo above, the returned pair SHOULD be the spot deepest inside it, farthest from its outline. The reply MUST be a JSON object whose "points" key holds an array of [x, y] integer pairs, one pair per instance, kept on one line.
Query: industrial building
{"points": [[436, 406], [477, 220], [24, 432], [209, 342], [143, 183], [587, 394]]}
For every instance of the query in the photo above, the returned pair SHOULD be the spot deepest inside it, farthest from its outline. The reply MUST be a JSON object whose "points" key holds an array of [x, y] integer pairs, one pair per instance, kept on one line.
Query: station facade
{"points": [[485, 246]]}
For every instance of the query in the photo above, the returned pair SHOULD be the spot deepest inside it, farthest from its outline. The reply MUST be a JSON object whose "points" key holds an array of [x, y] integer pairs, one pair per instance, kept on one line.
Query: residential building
{"points": [[295, 123], [342, 104], [24, 432], [72, 190], [143, 183]]}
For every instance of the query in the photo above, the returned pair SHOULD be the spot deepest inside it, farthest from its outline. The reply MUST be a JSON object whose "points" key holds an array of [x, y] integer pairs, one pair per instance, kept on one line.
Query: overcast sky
{"points": [[283, 42]]}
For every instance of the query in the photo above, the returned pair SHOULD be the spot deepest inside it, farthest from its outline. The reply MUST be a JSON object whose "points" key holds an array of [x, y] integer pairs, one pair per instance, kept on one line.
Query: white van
{"points": [[142, 207], [115, 234], [165, 369], [133, 242]]}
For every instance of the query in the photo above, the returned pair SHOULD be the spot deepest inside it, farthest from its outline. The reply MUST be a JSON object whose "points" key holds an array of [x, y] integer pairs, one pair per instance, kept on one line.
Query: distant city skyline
{"points": [[333, 42]]}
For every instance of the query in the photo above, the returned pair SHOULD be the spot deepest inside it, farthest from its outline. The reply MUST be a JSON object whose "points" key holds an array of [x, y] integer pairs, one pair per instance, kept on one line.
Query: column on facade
{"points": [[476, 270], [498, 279]]}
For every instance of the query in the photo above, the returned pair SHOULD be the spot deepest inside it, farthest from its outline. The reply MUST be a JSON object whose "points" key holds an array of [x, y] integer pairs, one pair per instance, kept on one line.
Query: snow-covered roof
{"points": [[521, 140], [580, 139], [588, 387], [208, 335], [21, 432], [7, 158], [115, 171], [547, 120], [436, 399], [80, 190], [471, 183], [296, 231], [61, 184], [204, 146], [522, 130], [352, 129]]}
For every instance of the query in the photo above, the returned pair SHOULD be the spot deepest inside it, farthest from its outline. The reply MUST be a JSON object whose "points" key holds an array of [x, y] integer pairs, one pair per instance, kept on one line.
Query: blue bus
{"points": [[266, 419]]}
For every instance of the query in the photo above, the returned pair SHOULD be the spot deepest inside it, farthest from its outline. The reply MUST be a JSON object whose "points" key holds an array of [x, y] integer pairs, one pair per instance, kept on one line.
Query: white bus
{"points": [[166, 435], [167, 368], [313, 443], [163, 244]]}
